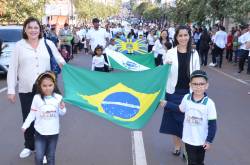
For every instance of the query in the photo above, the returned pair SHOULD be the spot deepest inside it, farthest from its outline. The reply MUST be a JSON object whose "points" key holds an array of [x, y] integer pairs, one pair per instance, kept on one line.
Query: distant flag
{"points": [[128, 99], [130, 62], [131, 46]]}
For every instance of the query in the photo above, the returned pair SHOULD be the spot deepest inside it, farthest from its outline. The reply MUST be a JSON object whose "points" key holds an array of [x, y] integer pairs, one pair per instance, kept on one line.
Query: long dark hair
{"points": [[189, 45], [49, 75], [167, 44], [26, 22], [190, 50]]}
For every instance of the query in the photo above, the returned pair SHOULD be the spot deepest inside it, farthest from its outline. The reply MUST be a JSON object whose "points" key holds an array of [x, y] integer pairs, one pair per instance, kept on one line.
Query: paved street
{"points": [[86, 139]]}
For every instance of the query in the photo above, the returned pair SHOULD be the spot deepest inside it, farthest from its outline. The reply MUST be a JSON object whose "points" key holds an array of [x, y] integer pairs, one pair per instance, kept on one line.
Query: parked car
{"points": [[9, 35]]}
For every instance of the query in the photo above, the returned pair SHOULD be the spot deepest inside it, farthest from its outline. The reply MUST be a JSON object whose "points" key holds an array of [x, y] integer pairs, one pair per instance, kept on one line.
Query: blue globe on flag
{"points": [[121, 104]]}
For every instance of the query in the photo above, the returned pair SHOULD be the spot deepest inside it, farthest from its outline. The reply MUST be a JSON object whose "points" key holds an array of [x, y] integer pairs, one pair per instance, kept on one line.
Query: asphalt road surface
{"points": [[86, 139]]}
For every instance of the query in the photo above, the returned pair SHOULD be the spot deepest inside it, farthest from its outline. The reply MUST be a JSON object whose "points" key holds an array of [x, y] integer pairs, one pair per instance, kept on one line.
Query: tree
{"points": [[16, 11], [87, 9]]}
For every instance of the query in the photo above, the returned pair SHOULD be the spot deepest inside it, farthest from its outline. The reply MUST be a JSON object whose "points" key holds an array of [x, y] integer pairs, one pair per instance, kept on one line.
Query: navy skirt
{"points": [[172, 121]]}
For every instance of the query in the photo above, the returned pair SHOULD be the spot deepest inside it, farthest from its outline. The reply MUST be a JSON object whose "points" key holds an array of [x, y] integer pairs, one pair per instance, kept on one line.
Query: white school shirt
{"points": [[243, 39], [151, 39], [158, 48], [197, 115], [27, 63], [220, 39], [45, 113], [97, 37], [98, 61], [172, 57]]}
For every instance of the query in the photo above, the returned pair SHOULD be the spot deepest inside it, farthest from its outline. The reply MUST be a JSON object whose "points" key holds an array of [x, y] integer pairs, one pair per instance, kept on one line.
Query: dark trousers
{"points": [[45, 145], [219, 53], [203, 55], [229, 54], [106, 67], [26, 101], [243, 55], [195, 154], [213, 56], [150, 47], [236, 55], [158, 60]]}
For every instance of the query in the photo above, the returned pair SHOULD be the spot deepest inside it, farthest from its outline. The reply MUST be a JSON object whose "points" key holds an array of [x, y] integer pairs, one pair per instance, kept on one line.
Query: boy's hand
{"points": [[163, 103], [62, 105], [207, 146]]}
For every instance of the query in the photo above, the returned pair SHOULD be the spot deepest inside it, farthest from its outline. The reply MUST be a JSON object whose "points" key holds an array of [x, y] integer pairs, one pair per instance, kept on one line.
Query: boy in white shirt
{"points": [[199, 126]]}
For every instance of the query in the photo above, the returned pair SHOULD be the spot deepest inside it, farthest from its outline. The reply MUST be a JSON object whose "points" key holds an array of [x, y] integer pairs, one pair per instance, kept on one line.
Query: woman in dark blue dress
{"points": [[184, 60]]}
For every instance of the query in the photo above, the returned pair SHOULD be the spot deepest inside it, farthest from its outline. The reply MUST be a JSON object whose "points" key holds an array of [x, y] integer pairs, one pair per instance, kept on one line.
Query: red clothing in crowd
{"points": [[229, 42]]}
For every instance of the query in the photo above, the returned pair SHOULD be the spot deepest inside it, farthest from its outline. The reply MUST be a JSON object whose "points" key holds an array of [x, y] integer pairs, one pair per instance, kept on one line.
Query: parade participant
{"points": [[184, 60], [96, 36], [220, 41], [161, 47], [30, 58], [98, 61], [204, 46], [229, 47], [45, 109], [244, 41], [65, 37], [199, 125], [112, 44], [151, 40]]}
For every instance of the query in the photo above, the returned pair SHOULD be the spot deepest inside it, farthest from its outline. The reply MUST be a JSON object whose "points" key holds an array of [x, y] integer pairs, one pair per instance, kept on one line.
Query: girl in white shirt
{"points": [[98, 61], [151, 40], [46, 107], [161, 47]]}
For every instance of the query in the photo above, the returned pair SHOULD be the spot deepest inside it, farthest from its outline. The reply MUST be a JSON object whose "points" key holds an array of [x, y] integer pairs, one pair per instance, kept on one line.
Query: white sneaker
{"points": [[212, 64], [25, 153], [44, 160]]}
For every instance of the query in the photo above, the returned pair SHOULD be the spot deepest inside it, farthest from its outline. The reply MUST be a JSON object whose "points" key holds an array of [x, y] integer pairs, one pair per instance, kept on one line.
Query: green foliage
{"points": [[152, 13], [200, 11], [88, 9], [16, 11], [141, 8]]}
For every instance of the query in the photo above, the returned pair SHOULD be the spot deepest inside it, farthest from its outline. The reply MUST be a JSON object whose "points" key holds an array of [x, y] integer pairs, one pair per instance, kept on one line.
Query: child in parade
{"points": [[199, 125], [98, 61], [65, 54], [112, 45], [46, 107]]}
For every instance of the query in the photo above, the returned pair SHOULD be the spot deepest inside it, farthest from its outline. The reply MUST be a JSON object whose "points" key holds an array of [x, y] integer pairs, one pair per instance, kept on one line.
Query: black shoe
{"points": [[184, 157], [239, 71], [176, 152]]}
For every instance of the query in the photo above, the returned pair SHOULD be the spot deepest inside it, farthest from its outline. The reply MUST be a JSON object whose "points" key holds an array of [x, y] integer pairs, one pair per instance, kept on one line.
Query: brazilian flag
{"points": [[128, 99]]}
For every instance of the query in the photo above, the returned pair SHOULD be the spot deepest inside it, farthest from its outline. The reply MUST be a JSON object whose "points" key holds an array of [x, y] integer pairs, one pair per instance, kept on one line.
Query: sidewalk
{"points": [[231, 69]]}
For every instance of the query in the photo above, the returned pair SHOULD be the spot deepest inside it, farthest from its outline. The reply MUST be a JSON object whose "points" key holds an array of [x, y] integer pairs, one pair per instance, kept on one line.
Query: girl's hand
{"points": [[207, 146], [163, 103], [62, 105], [23, 130]]}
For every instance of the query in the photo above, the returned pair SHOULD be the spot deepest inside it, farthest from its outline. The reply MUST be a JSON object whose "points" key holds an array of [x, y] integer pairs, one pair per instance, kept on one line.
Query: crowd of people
{"points": [[185, 49]]}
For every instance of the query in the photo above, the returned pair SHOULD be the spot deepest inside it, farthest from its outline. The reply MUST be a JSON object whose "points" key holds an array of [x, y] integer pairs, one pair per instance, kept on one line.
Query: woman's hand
{"points": [[163, 103], [12, 98]]}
